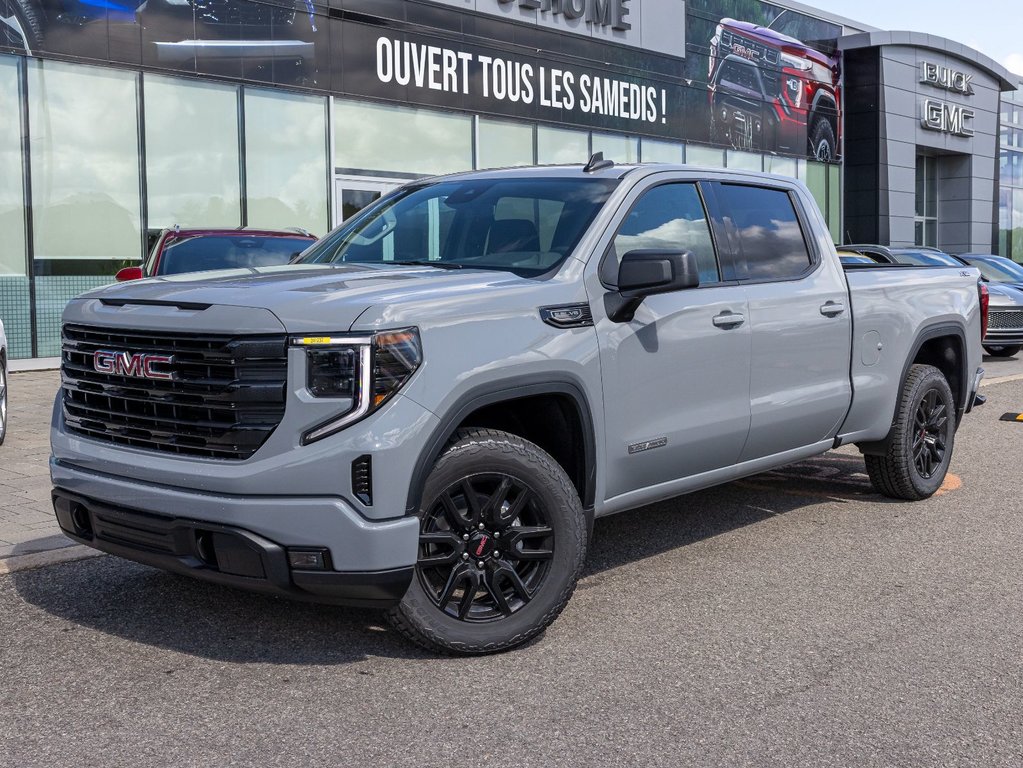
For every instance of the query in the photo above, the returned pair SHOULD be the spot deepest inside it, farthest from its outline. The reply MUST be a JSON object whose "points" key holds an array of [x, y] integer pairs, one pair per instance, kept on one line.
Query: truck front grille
{"points": [[1005, 319], [747, 48], [222, 398]]}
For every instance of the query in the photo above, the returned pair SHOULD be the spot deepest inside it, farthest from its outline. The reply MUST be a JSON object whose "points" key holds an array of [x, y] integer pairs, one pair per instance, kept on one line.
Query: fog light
{"points": [[308, 559]]}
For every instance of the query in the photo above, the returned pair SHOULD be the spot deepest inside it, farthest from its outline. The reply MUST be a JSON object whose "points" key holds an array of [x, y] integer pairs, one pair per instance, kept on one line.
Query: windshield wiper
{"points": [[426, 263]]}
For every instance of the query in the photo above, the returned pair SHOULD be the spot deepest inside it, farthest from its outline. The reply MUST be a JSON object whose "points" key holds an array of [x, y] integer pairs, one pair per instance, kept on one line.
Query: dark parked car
{"points": [[196, 250], [1003, 336], [996, 269]]}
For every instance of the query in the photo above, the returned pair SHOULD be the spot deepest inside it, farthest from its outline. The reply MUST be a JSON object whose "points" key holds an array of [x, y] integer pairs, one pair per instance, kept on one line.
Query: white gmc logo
{"points": [[137, 365]]}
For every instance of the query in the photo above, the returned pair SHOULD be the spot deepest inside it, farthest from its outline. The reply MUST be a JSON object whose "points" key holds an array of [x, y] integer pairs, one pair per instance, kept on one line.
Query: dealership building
{"points": [[120, 118]]}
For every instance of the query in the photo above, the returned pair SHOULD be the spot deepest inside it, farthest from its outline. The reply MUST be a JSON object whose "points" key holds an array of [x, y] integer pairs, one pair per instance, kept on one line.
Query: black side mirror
{"points": [[646, 272]]}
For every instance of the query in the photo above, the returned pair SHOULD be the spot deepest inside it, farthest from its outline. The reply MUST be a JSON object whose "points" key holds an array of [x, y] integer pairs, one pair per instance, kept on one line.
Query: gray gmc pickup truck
{"points": [[427, 412]]}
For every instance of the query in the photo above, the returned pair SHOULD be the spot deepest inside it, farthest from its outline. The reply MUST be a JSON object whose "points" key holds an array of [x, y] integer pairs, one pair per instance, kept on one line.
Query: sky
{"points": [[994, 27]]}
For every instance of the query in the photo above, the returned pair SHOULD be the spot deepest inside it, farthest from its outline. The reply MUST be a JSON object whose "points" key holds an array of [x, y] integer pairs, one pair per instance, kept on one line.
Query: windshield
{"points": [[202, 252], [525, 226], [926, 258], [998, 270]]}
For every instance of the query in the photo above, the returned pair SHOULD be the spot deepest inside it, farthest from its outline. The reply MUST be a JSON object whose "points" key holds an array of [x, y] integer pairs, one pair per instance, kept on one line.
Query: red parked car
{"points": [[195, 250]]}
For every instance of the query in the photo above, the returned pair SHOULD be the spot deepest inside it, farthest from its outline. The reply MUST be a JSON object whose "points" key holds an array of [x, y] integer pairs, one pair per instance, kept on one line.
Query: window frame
{"points": [[609, 280], [736, 255]]}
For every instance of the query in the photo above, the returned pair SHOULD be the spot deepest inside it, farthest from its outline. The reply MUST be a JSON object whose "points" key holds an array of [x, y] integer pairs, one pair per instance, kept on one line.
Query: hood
{"points": [[778, 40], [310, 298], [1004, 295]]}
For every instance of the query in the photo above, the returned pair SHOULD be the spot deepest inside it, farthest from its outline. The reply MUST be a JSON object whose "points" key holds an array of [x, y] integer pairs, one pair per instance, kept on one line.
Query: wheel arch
{"points": [[942, 345], [526, 390]]}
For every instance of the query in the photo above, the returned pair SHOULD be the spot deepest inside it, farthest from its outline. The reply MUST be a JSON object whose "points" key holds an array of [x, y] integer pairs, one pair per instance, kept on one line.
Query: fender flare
{"points": [[925, 334], [512, 388], [823, 99]]}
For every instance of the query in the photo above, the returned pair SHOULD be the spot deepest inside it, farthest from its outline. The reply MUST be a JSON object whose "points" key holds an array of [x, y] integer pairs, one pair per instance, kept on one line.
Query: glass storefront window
{"points": [[559, 146], [620, 149], [385, 139], [708, 157], [783, 166], [834, 214], [816, 180], [12, 196], [503, 144], [286, 163], [192, 155], [86, 201], [744, 161], [655, 151]]}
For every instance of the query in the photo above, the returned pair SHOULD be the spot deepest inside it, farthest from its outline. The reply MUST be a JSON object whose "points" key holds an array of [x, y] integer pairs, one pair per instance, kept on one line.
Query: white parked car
{"points": [[3, 383]]}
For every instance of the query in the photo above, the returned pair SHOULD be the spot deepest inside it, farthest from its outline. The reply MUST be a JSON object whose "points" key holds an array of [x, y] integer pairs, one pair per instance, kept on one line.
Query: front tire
{"points": [[502, 543], [1003, 350], [23, 28], [921, 441]]}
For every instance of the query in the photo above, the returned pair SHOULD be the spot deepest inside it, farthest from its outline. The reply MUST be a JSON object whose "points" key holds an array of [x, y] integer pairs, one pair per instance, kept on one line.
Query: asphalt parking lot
{"points": [[794, 618]]}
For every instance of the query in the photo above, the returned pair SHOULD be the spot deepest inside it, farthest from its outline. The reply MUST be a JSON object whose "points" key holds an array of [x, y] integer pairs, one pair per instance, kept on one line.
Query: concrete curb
{"points": [[1002, 379], [42, 559]]}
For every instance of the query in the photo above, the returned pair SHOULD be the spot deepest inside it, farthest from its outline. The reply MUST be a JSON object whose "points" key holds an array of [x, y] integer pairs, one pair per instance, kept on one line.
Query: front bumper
{"points": [[223, 554]]}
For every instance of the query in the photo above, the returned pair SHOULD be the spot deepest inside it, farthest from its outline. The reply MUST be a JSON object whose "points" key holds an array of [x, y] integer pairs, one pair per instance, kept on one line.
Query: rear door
{"points": [[799, 315], [676, 378]]}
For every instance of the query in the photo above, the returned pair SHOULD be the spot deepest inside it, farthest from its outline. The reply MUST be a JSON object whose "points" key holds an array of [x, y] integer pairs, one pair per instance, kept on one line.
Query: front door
{"points": [[353, 193], [676, 378]]}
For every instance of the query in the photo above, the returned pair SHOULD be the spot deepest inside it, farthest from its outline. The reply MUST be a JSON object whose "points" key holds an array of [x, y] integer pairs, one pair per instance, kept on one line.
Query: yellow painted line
{"points": [[1002, 379]]}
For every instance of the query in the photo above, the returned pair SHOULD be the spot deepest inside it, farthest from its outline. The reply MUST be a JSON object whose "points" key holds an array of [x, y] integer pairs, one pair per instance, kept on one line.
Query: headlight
{"points": [[367, 370], [795, 62]]}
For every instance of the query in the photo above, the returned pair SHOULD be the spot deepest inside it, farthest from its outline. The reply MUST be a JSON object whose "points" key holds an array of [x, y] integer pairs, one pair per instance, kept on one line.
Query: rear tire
{"points": [[1003, 350], [823, 144], [921, 441], [502, 544]]}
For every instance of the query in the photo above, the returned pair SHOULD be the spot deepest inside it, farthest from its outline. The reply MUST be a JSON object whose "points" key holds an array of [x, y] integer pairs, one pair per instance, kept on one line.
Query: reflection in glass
{"points": [[192, 158], [655, 151], [354, 200], [375, 137], [744, 161], [559, 146], [670, 217], [620, 149], [503, 144], [708, 157], [85, 162], [12, 198], [286, 160]]}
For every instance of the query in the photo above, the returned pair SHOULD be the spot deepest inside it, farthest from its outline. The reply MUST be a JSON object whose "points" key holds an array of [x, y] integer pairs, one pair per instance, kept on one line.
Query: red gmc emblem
{"points": [[137, 365]]}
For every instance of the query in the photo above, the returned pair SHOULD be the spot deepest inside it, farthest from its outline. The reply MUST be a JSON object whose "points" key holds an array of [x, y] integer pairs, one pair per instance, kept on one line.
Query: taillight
{"points": [[985, 298]]}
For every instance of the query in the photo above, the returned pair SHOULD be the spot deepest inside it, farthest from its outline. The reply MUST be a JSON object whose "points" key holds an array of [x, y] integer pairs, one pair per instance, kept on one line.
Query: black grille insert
{"points": [[226, 396]]}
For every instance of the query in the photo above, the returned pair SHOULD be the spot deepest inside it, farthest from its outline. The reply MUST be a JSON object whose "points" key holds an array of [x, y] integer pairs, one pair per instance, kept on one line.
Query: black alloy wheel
{"points": [[930, 424], [502, 541], [918, 450], [485, 547]]}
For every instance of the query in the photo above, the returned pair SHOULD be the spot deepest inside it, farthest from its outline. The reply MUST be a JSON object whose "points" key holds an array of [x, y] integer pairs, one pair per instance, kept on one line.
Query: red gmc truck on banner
{"points": [[770, 91]]}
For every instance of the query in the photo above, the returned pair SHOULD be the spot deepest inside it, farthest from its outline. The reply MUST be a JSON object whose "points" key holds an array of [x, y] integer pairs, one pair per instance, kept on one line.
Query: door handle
{"points": [[832, 308], [729, 320]]}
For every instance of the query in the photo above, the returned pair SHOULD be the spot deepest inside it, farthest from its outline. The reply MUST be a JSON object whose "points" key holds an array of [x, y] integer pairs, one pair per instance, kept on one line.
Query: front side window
{"points": [[766, 232], [525, 226], [670, 217]]}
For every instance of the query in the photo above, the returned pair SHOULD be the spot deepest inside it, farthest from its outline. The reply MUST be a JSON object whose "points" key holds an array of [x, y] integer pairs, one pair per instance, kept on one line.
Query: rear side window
{"points": [[765, 231], [670, 217]]}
